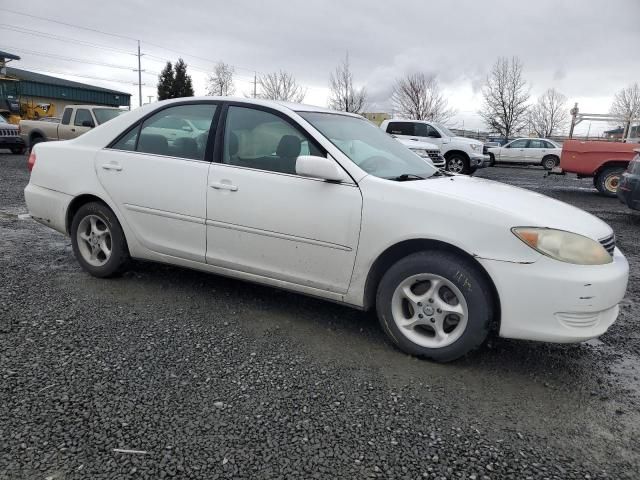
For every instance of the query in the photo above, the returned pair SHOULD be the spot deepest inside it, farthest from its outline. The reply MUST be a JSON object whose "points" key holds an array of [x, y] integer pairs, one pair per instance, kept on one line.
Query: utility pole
{"points": [[139, 76], [255, 83]]}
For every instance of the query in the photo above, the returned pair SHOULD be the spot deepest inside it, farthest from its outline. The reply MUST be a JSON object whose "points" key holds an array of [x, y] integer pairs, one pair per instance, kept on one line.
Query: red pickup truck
{"points": [[603, 161]]}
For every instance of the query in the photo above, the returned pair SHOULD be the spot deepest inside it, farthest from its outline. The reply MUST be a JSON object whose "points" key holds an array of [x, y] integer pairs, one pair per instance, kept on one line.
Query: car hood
{"points": [[418, 144], [468, 141], [521, 207]]}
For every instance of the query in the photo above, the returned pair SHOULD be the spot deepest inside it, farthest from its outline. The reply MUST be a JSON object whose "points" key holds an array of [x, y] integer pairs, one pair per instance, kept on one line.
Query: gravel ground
{"points": [[167, 372]]}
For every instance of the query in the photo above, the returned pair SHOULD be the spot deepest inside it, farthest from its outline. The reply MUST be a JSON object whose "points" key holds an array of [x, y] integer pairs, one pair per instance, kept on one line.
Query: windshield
{"points": [[444, 130], [368, 146], [106, 114]]}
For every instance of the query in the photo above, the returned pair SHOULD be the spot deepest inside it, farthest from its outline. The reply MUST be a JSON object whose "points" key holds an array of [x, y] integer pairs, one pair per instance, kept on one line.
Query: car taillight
{"points": [[32, 161]]}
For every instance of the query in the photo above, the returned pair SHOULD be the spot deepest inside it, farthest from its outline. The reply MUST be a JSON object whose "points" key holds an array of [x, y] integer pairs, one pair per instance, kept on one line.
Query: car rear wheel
{"points": [[435, 305], [492, 160], [98, 240], [457, 163], [549, 162], [607, 181]]}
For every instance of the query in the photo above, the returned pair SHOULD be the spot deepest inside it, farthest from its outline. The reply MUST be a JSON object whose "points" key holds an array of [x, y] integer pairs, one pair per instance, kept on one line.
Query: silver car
{"points": [[537, 151]]}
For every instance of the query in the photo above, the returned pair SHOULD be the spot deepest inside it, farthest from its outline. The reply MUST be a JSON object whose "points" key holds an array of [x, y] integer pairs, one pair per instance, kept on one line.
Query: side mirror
{"points": [[319, 167], [88, 123]]}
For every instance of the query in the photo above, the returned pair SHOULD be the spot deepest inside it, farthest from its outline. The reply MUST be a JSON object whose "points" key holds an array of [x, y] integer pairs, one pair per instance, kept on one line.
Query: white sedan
{"points": [[326, 204], [537, 151]]}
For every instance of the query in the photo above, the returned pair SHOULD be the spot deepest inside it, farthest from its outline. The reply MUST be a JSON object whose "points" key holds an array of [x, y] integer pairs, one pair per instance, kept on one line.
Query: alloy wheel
{"points": [[456, 165], [429, 310], [94, 240]]}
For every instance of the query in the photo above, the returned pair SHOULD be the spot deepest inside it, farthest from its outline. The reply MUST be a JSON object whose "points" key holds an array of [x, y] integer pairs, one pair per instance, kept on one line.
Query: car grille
{"points": [[609, 243], [4, 132], [434, 154]]}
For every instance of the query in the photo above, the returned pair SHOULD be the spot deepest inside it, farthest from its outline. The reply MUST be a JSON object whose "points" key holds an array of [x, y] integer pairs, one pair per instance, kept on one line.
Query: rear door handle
{"points": [[224, 186], [111, 166]]}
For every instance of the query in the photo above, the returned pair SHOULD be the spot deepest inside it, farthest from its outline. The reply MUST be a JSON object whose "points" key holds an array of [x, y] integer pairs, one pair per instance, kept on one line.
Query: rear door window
{"points": [[400, 128], [181, 131], [66, 116]]}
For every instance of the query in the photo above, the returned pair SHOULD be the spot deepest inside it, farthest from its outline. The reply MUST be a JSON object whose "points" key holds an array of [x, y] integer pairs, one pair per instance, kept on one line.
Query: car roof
{"points": [[275, 104], [91, 106]]}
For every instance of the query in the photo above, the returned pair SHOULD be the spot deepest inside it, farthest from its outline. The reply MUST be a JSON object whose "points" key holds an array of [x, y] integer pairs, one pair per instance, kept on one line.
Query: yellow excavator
{"points": [[11, 106]]}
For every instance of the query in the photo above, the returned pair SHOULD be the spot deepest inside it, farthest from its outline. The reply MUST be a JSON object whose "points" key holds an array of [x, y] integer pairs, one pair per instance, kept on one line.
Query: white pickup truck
{"points": [[463, 155], [76, 120]]}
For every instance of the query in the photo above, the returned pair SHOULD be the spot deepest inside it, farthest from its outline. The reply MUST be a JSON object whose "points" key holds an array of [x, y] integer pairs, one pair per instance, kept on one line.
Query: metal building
{"points": [[39, 88]]}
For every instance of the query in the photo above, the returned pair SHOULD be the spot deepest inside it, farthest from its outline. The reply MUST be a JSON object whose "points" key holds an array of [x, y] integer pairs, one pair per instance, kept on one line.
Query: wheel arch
{"points": [[35, 134], [407, 247], [451, 153], [78, 202], [611, 163]]}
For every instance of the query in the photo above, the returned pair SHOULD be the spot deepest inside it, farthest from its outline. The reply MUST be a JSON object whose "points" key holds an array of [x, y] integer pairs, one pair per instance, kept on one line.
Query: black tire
{"points": [[34, 142], [462, 274], [17, 150], [457, 159], [119, 250], [550, 161], [607, 180], [492, 160]]}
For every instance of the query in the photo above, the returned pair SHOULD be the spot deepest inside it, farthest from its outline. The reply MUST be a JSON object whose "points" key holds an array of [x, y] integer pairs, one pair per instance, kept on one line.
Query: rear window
{"points": [[106, 114], [66, 116], [400, 128]]}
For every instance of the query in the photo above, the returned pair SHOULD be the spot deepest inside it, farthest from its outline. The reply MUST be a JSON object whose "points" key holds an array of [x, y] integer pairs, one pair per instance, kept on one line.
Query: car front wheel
{"points": [[98, 240], [457, 163], [435, 304]]}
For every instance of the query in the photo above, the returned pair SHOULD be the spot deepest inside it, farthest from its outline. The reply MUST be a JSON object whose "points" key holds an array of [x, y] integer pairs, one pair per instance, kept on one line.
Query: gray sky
{"points": [[587, 49]]}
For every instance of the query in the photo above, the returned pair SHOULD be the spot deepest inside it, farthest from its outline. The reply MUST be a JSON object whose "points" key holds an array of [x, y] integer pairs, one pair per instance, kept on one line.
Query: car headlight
{"points": [[421, 152], [475, 146], [564, 246]]}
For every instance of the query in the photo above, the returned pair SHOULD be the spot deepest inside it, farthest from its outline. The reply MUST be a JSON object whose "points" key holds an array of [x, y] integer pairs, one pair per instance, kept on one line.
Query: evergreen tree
{"points": [[166, 82], [182, 86]]}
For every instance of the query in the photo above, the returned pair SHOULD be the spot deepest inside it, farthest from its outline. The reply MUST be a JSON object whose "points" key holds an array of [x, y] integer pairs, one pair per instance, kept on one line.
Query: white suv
{"points": [[463, 155]]}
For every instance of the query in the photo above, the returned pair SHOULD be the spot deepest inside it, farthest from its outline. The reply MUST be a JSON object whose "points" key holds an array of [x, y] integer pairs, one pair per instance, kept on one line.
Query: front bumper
{"points": [[11, 142], [552, 301], [479, 161]]}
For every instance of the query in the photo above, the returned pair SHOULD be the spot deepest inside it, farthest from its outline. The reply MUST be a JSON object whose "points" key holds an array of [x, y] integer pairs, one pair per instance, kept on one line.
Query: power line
{"points": [[46, 70], [70, 59], [95, 30], [62, 38]]}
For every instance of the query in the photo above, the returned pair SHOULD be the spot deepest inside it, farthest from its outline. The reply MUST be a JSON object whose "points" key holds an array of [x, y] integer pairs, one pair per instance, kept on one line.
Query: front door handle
{"points": [[224, 186], [111, 166]]}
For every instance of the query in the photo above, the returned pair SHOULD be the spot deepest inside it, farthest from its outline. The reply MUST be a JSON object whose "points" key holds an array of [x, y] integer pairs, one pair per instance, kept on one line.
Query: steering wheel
{"points": [[374, 163]]}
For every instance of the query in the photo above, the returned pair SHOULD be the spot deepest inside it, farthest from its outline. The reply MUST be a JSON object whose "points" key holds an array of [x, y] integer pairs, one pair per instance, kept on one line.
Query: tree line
{"points": [[506, 107]]}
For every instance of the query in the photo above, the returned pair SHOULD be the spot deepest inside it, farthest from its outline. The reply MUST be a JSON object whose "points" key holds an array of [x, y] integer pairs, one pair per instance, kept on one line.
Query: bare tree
{"points": [[550, 114], [280, 86], [505, 97], [626, 106], [220, 82], [344, 96], [418, 96]]}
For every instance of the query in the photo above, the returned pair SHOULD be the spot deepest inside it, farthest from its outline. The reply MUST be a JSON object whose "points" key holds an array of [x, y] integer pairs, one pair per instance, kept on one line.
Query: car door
{"points": [[427, 133], [82, 122], [161, 188], [404, 130], [264, 219], [514, 152], [536, 149]]}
